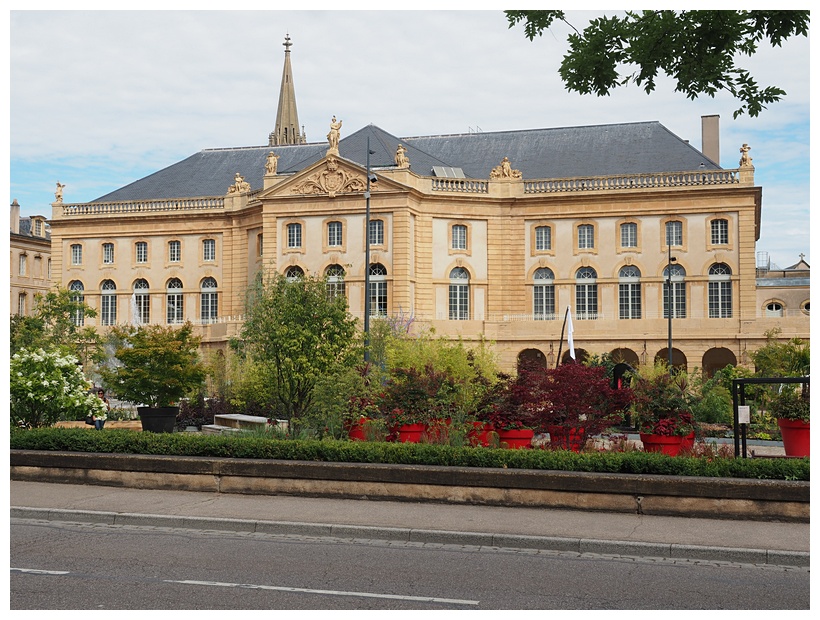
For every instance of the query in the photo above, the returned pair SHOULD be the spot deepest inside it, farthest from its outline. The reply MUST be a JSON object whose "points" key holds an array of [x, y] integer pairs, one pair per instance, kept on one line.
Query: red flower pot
{"points": [[667, 444], [796, 437], [356, 430], [516, 438], [567, 437], [480, 433], [688, 442], [411, 433]]}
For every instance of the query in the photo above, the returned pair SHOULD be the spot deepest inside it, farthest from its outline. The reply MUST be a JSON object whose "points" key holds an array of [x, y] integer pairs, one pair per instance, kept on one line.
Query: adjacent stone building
{"points": [[30, 260]]}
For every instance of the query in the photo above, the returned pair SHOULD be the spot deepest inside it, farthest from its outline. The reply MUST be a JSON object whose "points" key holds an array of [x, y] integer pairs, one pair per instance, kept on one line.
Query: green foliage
{"points": [[154, 365], [662, 400], [782, 359], [792, 406], [48, 385], [328, 450], [698, 49], [296, 334]]}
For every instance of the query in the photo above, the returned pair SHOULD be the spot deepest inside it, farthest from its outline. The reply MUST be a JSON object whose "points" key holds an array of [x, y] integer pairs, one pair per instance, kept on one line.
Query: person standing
{"points": [[99, 419]]}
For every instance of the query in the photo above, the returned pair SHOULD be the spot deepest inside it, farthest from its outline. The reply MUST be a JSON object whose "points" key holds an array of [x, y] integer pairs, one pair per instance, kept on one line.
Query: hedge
{"points": [[255, 447]]}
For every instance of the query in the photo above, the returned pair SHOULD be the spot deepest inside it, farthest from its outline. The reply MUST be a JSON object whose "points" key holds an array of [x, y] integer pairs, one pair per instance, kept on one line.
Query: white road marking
{"points": [[401, 597], [40, 572]]}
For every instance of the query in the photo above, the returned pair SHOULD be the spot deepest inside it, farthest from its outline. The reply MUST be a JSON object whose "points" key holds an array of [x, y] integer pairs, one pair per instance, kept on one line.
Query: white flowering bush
{"points": [[46, 386]]}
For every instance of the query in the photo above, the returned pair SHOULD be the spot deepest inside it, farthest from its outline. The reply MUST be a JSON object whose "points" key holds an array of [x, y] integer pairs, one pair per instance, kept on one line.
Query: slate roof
{"points": [[599, 150]]}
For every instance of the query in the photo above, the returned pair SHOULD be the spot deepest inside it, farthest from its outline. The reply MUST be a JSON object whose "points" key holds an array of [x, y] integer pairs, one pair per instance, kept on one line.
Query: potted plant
{"points": [[503, 409], [661, 408], [792, 410], [154, 367]]}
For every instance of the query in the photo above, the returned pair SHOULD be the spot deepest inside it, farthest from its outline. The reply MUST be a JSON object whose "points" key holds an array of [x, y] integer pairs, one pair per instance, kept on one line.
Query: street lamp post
{"points": [[367, 259]]}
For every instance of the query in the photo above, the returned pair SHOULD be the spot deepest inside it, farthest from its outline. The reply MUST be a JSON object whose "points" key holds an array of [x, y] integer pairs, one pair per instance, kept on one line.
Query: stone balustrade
{"points": [[144, 206]]}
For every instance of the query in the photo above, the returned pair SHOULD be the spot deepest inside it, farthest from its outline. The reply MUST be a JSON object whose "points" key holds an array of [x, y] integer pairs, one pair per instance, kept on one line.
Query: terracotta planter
{"points": [[670, 444], [158, 419], [796, 436], [567, 437], [411, 433], [516, 438]]}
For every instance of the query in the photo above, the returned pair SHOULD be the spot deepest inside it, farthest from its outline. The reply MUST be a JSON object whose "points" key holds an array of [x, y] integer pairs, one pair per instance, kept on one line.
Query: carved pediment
{"points": [[331, 180]]}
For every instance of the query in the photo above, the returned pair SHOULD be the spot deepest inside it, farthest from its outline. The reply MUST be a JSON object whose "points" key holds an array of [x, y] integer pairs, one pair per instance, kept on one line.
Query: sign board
{"points": [[743, 414]]}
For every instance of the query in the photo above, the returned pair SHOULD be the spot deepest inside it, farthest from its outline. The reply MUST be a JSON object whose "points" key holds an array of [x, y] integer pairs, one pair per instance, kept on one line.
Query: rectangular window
{"points": [[376, 232], [174, 314], [108, 309], [459, 237], [459, 302], [76, 254], [629, 235], [208, 250], [142, 252], [586, 301], [629, 300], [21, 304], [674, 233], [294, 235], [586, 236], [334, 234], [208, 307], [21, 266], [108, 253], [259, 244], [174, 251], [720, 232], [678, 300], [143, 309], [38, 228], [720, 300], [378, 298], [543, 302], [543, 238]]}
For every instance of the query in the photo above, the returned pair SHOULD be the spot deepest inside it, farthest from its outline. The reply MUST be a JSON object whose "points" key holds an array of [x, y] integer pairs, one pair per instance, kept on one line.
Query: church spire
{"points": [[287, 120]]}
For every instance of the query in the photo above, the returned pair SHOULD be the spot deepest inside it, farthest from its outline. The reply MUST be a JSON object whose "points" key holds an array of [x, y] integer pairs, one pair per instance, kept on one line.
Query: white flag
{"points": [[135, 311], [570, 340]]}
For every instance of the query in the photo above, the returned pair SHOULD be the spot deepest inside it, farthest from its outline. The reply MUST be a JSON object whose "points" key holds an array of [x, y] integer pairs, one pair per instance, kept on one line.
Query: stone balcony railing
{"points": [[144, 206]]}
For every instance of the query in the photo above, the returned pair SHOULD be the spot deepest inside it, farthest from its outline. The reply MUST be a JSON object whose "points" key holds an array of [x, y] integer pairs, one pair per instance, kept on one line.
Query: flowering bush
{"points": [[663, 401], [48, 385]]}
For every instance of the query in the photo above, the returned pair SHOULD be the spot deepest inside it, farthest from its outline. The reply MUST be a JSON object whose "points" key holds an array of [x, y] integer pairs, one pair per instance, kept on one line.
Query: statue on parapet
{"points": [[272, 163], [240, 185], [505, 171], [402, 161], [745, 160], [58, 193], [333, 135]]}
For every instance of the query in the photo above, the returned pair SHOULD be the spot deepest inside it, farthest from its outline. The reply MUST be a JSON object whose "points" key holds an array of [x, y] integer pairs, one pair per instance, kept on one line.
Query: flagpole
{"points": [[561, 342]]}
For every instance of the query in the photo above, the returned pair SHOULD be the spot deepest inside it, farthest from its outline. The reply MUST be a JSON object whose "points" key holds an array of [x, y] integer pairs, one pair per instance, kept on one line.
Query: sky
{"points": [[99, 99]]}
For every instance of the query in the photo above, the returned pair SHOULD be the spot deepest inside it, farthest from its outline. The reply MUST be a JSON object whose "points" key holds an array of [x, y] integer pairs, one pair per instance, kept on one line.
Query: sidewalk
{"points": [[562, 530]]}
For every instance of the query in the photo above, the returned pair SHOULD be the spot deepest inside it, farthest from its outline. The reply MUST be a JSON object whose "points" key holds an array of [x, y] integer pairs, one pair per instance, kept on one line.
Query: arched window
{"points": [[108, 303], [543, 295], [378, 289], [294, 273], [459, 294], [174, 302], [586, 293], [335, 275], [774, 308], [142, 303], [629, 292], [678, 302], [77, 315], [208, 301], [720, 291]]}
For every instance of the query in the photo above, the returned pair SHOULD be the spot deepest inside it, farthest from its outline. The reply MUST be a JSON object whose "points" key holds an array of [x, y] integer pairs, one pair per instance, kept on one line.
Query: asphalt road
{"points": [[59, 565]]}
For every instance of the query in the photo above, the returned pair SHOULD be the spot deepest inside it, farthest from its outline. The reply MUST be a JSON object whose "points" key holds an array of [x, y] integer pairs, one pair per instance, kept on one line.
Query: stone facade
{"points": [[30, 260]]}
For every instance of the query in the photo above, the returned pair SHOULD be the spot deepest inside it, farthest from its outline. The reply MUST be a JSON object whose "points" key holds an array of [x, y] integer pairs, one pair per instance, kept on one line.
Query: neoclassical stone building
{"points": [[29, 261], [480, 235]]}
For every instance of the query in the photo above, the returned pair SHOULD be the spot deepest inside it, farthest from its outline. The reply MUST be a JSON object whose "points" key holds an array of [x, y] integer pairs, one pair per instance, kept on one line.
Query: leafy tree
{"points": [[696, 48], [782, 359], [297, 334], [155, 365], [53, 324]]}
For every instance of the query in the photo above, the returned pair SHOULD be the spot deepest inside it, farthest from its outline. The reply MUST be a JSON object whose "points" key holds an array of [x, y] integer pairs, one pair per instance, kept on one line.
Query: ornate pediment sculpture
{"points": [[505, 171], [331, 181]]}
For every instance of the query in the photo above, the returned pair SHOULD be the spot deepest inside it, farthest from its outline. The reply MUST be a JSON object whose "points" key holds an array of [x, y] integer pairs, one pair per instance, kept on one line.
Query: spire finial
{"points": [[287, 43]]}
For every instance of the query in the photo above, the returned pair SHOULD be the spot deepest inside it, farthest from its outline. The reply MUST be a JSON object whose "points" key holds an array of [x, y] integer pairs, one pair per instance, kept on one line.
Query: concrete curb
{"points": [[362, 532]]}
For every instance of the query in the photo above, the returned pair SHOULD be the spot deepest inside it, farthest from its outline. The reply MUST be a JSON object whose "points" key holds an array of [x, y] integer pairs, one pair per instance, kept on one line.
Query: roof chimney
{"points": [[710, 137], [15, 217]]}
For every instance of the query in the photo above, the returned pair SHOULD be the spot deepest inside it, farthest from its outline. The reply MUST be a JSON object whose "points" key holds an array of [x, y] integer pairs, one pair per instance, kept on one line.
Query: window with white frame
{"points": [[543, 295], [141, 250], [22, 265], [294, 235], [76, 254], [459, 237], [174, 310], [720, 232], [294, 273], [335, 275], [720, 291], [378, 290], [629, 293], [208, 250], [376, 232], [629, 235], [208, 301], [586, 236], [108, 303], [76, 289], [21, 304], [334, 234], [774, 308], [459, 294], [543, 238], [108, 253], [174, 251], [142, 303], [586, 293], [674, 233], [678, 291]]}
